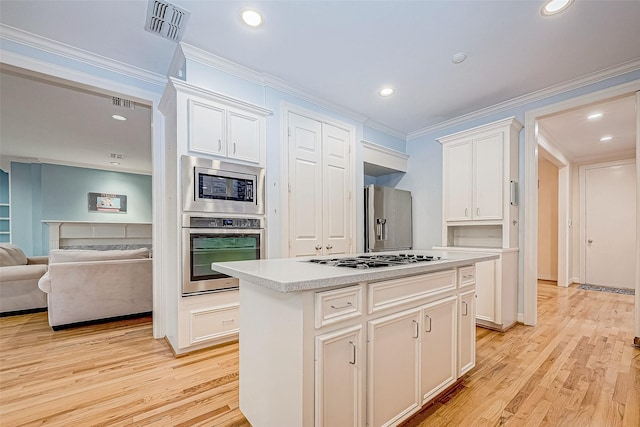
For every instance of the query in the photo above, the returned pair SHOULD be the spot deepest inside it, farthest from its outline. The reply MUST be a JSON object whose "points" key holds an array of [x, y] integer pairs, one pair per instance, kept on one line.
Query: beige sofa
{"points": [[87, 286], [19, 277]]}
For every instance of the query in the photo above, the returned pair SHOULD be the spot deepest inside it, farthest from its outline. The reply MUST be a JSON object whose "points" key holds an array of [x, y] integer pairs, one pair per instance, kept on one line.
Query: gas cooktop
{"points": [[374, 261]]}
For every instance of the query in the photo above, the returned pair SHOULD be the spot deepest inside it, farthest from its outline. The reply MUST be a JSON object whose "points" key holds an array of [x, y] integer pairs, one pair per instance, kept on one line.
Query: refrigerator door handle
{"points": [[371, 232]]}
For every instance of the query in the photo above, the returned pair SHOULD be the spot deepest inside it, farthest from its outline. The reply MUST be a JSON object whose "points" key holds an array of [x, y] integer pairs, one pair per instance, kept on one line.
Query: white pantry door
{"points": [[305, 186], [610, 225]]}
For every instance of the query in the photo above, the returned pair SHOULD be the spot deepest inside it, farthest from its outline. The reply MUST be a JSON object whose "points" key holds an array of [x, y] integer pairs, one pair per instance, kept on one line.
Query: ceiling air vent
{"points": [[166, 19], [124, 103]]}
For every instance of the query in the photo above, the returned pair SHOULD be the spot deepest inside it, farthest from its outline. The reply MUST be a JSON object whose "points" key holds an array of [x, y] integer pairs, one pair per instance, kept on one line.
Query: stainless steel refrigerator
{"points": [[387, 219]]}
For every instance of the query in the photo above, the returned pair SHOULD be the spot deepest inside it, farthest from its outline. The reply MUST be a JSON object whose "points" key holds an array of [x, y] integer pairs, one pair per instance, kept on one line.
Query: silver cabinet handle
{"points": [[318, 247], [477, 211], [219, 145], [329, 246], [348, 304], [353, 354], [416, 330], [465, 308], [429, 328], [234, 148], [466, 212]]}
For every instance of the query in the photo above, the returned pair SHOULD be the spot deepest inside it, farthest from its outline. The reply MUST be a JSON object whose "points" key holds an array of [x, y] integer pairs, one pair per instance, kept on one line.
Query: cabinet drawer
{"points": [[214, 322], [466, 276], [338, 304], [400, 291]]}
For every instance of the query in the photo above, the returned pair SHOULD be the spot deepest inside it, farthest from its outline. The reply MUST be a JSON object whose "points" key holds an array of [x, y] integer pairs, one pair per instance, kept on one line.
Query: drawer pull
{"points": [[353, 353], [469, 276], [226, 322], [348, 304]]}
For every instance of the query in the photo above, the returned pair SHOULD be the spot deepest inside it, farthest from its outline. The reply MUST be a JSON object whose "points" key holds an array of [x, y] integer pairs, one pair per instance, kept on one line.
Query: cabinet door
{"points": [[336, 195], [305, 186], [466, 332], [438, 367], [244, 136], [457, 181], [206, 128], [488, 176], [485, 290], [338, 387], [393, 368]]}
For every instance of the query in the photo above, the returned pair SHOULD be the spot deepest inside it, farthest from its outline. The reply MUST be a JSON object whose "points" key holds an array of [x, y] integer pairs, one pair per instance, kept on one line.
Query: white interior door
{"points": [[610, 225], [305, 191], [337, 212]]}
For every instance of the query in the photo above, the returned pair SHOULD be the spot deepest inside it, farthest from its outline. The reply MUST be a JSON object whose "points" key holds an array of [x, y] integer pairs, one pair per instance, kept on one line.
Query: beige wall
{"points": [[547, 220]]}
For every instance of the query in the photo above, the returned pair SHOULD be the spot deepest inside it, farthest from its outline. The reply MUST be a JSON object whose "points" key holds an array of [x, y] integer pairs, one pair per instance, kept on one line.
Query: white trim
{"points": [[582, 171], [194, 90], [285, 109], [530, 222], [598, 76], [157, 144], [384, 150], [637, 299], [573, 280], [42, 43], [29, 160]]}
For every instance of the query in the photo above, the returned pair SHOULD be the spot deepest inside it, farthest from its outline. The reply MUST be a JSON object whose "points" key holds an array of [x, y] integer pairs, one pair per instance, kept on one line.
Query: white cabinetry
{"points": [[467, 332], [480, 212], [220, 130], [320, 188], [338, 385], [438, 368], [393, 367]]}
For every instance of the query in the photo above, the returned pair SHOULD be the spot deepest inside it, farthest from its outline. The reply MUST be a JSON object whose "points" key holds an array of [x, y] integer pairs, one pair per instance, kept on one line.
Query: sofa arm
{"points": [[37, 260], [45, 283]]}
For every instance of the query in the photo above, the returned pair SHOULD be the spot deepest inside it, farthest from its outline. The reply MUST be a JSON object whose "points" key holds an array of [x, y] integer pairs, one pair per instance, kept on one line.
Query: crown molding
{"points": [[384, 150], [30, 160], [47, 45], [383, 128], [188, 52], [520, 101]]}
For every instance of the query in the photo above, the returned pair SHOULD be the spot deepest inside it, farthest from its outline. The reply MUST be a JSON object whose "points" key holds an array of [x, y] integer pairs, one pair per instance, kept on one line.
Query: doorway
{"points": [[530, 211]]}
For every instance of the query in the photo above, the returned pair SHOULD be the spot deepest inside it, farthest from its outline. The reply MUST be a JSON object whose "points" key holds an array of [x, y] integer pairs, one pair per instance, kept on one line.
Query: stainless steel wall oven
{"points": [[207, 239]]}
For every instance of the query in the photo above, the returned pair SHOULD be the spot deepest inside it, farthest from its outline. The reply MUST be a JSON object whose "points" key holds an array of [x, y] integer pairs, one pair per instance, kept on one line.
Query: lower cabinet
{"points": [[338, 384], [467, 332], [438, 346], [394, 367]]}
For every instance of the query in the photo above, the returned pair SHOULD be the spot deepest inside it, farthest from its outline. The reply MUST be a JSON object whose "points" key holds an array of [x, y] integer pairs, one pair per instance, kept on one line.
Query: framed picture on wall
{"points": [[103, 202]]}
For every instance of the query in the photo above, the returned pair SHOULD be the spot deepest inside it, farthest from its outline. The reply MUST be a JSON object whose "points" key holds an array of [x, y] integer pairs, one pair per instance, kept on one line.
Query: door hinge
{"points": [[288, 131], [289, 185]]}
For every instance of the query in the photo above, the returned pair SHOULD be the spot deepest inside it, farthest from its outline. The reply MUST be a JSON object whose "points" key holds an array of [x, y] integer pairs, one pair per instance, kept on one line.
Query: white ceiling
{"points": [[344, 51]]}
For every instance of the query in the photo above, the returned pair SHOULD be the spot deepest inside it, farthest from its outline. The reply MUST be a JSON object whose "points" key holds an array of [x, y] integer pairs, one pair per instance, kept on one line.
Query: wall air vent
{"points": [[166, 19], [122, 102]]}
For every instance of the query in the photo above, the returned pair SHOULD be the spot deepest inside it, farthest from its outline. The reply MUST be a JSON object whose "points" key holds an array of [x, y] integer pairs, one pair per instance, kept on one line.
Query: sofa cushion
{"points": [[11, 255], [82, 255], [22, 272]]}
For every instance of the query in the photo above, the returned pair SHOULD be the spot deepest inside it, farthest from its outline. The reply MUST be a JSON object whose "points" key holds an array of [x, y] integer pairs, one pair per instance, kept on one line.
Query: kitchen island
{"points": [[329, 346]]}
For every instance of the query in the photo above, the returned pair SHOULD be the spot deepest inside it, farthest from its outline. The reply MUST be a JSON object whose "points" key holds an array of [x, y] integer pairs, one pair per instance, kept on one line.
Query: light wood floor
{"points": [[576, 368]]}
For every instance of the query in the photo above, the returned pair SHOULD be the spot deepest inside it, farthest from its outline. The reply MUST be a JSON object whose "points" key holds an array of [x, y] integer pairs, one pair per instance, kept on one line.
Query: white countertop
{"points": [[297, 274]]}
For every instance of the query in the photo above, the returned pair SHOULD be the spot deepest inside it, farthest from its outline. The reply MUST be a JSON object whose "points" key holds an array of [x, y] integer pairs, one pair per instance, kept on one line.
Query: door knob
{"points": [[318, 247], [589, 241], [329, 247]]}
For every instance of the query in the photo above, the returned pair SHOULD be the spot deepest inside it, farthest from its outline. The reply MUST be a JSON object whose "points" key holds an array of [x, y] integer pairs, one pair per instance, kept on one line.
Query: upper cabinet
{"points": [[220, 126], [480, 173]]}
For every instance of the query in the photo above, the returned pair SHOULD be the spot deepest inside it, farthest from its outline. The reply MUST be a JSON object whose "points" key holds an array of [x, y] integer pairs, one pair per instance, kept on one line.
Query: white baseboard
{"points": [[521, 317], [574, 280]]}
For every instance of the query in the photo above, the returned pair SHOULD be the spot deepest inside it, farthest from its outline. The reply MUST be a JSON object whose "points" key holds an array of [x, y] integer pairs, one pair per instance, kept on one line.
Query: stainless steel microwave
{"points": [[214, 186]]}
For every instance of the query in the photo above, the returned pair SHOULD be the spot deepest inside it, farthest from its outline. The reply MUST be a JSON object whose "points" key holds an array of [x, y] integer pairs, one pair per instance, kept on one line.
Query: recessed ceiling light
{"points": [[553, 7], [115, 163], [595, 116], [386, 91], [606, 138], [118, 117], [251, 18], [459, 57]]}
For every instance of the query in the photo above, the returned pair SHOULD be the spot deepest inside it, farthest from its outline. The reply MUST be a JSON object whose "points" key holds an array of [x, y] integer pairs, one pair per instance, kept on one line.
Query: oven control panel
{"points": [[218, 222]]}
